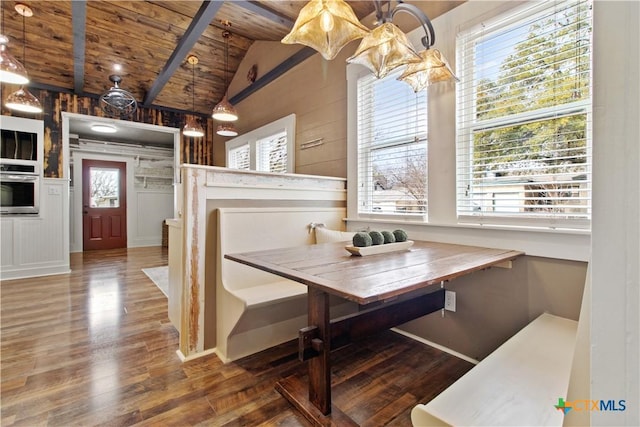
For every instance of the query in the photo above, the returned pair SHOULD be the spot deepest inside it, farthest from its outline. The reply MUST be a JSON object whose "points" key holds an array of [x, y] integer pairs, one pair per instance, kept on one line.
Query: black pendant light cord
{"points": [[226, 34], [193, 88], [24, 42]]}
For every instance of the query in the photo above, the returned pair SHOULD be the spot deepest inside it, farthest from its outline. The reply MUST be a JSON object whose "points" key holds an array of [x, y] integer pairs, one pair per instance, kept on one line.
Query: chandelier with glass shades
{"points": [[329, 25]]}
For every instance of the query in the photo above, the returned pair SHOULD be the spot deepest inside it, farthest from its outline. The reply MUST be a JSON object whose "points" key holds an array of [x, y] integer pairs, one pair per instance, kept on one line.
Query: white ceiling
{"points": [[126, 132]]}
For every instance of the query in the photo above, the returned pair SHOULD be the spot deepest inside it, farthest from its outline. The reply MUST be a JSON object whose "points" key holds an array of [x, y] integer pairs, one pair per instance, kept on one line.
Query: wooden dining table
{"points": [[389, 288]]}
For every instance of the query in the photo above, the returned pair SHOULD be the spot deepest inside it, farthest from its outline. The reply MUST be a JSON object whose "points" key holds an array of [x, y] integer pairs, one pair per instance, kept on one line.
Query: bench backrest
{"points": [[253, 229]]}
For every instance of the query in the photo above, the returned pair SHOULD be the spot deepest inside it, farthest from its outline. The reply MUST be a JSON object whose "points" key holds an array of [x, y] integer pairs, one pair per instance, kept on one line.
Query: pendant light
{"points": [[224, 111], [11, 70], [22, 100], [326, 26], [192, 127], [227, 129], [384, 49], [433, 68]]}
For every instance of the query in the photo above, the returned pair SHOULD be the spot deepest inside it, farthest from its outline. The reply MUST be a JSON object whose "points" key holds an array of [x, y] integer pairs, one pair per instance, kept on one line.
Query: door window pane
{"points": [[104, 187]]}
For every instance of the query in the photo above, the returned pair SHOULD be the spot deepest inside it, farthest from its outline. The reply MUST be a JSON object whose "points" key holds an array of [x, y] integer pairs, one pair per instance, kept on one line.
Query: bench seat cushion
{"points": [[325, 235], [260, 295], [516, 385]]}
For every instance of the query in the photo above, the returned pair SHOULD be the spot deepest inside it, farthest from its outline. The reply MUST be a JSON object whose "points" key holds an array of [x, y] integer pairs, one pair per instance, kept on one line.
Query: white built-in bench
{"points": [[516, 385], [256, 310]]}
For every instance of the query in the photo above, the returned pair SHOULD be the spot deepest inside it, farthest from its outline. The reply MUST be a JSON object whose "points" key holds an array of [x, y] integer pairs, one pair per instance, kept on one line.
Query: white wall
{"points": [[615, 267]]}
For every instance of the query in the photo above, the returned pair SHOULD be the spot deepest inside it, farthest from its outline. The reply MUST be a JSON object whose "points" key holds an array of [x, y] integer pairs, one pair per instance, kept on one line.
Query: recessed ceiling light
{"points": [[103, 128]]}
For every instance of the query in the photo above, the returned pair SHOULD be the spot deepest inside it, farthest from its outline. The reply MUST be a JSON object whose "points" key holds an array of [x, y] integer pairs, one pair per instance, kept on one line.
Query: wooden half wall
{"points": [[203, 190]]}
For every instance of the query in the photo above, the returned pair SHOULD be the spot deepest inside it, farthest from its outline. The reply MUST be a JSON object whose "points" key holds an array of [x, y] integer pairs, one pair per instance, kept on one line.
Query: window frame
{"points": [[286, 124], [467, 125], [365, 191]]}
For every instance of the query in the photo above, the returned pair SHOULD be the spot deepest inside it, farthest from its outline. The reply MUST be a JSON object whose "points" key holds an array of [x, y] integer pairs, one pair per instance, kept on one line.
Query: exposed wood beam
{"points": [[200, 22], [270, 76], [78, 22], [265, 12]]}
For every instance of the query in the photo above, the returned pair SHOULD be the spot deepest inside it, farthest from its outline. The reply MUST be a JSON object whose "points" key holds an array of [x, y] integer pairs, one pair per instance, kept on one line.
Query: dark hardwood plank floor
{"points": [[95, 347]]}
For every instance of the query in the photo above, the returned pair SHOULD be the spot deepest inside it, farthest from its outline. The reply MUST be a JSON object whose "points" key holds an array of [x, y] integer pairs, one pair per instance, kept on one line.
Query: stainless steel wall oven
{"points": [[20, 167], [19, 189]]}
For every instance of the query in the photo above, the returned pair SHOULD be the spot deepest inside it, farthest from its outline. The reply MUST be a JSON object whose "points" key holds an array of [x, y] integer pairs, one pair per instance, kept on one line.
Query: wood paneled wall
{"points": [[193, 150], [315, 90]]}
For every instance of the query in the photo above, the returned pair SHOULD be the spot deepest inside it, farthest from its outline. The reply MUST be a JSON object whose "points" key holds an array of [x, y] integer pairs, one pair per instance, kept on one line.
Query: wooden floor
{"points": [[95, 347]]}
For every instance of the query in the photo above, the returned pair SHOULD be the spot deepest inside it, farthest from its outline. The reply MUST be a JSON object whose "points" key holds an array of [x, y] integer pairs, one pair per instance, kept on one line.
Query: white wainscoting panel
{"points": [[6, 243], [153, 207], [38, 245]]}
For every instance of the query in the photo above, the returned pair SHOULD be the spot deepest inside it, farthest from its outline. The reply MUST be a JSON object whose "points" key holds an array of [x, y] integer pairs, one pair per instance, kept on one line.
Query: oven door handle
{"points": [[23, 178]]}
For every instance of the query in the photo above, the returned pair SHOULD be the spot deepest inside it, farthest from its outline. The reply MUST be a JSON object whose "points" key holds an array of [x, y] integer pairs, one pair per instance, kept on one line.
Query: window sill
{"points": [[569, 244]]}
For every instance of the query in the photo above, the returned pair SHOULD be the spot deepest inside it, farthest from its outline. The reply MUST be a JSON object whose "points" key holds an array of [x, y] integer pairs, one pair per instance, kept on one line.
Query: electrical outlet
{"points": [[450, 300]]}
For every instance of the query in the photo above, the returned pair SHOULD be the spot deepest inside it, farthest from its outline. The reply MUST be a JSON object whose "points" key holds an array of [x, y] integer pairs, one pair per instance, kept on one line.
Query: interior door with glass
{"points": [[104, 207]]}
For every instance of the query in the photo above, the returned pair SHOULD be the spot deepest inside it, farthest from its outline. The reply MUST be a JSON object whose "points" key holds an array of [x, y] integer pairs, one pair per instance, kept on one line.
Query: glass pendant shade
{"points": [[227, 129], [24, 101], [384, 49], [433, 68], [326, 26], [193, 129], [11, 71], [224, 111]]}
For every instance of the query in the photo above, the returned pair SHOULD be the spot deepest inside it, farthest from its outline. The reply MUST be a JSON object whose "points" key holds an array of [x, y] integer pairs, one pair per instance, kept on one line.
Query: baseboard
{"points": [[34, 272], [438, 346], [193, 356]]}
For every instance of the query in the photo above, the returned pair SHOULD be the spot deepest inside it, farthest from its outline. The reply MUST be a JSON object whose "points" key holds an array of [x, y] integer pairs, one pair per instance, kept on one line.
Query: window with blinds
{"points": [[272, 153], [524, 117], [392, 147], [240, 157], [269, 148]]}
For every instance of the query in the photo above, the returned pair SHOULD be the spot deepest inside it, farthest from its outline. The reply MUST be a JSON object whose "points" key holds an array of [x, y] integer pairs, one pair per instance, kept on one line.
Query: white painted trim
{"points": [[287, 124], [572, 245], [24, 273], [194, 356]]}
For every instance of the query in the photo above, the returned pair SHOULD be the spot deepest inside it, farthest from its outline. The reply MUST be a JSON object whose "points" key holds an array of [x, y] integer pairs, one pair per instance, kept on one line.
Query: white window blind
{"points": [[392, 147], [240, 157], [272, 153], [269, 148], [524, 117]]}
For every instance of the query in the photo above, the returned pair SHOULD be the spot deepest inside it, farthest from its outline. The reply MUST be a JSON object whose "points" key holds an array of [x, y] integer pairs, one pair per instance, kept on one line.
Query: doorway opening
{"points": [[104, 205], [151, 158]]}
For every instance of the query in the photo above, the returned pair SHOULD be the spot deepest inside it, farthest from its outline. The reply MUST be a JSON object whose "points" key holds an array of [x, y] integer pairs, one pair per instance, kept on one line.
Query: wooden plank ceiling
{"points": [[73, 45]]}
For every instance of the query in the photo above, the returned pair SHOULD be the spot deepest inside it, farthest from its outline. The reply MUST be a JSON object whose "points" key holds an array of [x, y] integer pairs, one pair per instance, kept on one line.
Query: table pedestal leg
{"points": [[320, 366], [314, 400]]}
